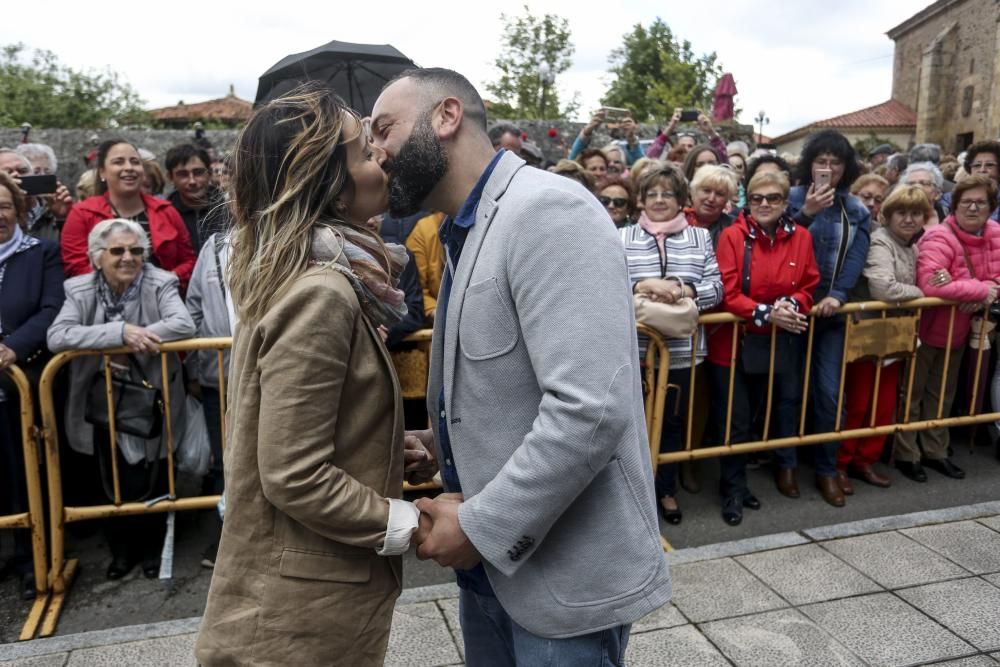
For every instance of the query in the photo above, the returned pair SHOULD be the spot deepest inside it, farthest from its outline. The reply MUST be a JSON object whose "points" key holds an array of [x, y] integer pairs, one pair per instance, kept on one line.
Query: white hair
{"points": [[36, 151], [102, 230], [25, 161], [929, 167]]}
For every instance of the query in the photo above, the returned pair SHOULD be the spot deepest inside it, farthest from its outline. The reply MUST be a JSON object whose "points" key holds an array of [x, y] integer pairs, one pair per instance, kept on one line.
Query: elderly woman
{"points": [[595, 163], [890, 274], [839, 225], [769, 274], [928, 178], [871, 190], [31, 293], [669, 259], [616, 196], [711, 190], [45, 213], [617, 160], [124, 302], [967, 246]]}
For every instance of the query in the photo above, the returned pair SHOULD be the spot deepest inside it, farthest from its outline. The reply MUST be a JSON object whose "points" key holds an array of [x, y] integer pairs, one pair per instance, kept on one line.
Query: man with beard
{"points": [[194, 196], [535, 385]]}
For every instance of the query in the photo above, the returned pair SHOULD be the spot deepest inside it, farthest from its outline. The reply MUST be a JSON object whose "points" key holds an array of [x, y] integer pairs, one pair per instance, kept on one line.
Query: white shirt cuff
{"points": [[404, 518]]}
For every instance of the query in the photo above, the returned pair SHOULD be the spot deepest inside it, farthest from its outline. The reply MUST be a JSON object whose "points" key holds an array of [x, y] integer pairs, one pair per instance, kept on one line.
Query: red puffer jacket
{"points": [[168, 236], [785, 267]]}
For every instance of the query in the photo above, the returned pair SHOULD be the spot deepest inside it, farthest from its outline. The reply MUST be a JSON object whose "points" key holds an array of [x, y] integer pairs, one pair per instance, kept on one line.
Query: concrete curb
{"points": [[122, 635]]}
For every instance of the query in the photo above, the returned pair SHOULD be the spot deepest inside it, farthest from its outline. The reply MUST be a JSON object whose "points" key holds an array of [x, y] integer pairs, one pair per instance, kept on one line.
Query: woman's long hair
{"points": [[289, 167]]}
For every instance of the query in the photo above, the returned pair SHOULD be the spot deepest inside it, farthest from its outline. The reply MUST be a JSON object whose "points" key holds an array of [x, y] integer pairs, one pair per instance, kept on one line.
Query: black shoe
{"points": [[673, 517], [914, 471], [732, 510], [151, 568], [750, 501], [120, 566], [28, 586], [945, 467], [209, 555]]}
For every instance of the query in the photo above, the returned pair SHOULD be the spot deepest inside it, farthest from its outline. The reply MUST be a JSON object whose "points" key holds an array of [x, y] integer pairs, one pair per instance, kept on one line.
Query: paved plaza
{"points": [[913, 589]]}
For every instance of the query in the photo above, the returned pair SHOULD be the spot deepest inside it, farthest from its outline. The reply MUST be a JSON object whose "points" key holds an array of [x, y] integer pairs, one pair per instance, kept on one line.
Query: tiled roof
{"points": [[887, 114], [228, 108]]}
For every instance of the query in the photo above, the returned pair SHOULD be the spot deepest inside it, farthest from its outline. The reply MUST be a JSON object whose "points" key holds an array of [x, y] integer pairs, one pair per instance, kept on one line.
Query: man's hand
{"points": [[419, 463], [7, 357], [828, 306], [140, 339], [446, 543], [61, 202]]}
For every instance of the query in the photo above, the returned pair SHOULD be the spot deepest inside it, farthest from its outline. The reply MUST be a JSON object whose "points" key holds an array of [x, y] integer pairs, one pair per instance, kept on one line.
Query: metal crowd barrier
{"points": [[62, 571], [32, 519]]}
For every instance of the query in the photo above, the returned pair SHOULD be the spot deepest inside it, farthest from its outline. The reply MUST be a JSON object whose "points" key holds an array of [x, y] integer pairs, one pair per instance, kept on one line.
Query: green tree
{"points": [[654, 73], [535, 51], [38, 89]]}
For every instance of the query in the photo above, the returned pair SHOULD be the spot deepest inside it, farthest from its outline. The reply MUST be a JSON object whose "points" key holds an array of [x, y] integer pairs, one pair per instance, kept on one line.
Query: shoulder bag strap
{"points": [[218, 264], [747, 250]]}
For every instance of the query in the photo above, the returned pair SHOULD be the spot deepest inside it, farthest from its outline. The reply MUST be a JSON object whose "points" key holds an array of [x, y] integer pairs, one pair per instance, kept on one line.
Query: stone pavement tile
{"points": [[991, 521], [972, 545], [974, 661], [894, 560], [420, 638], [449, 608], [783, 637], [176, 651], [676, 646], [884, 630], [993, 579], [968, 607], [714, 589], [665, 617], [51, 660], [807, 574]]}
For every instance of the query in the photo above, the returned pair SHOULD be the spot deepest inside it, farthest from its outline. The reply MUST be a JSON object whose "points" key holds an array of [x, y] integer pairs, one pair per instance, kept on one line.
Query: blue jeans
{"points": [[824, 385], [493, 639]]}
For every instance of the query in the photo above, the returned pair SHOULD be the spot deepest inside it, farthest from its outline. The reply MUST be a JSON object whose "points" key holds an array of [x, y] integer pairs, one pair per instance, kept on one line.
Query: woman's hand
{"points": [[828, 306], [705, 123], [939, 278], [8, 357], [674, 120], [662, 291], [784, 316], [594, 123], [817, 199], [628, 127], [60, 202], [141, 339]]}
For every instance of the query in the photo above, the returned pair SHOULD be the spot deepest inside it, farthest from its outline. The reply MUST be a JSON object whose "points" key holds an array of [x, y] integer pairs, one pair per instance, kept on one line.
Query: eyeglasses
{"points": [[983, 165], [118, 251], [617, 202], [772, 199], [661, 195], [184, 173], [923, 184], [968, 204]]}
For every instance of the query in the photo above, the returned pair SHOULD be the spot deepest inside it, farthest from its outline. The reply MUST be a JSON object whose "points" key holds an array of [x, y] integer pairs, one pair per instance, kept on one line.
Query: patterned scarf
{"points": [[373, 273], [114, 306]]}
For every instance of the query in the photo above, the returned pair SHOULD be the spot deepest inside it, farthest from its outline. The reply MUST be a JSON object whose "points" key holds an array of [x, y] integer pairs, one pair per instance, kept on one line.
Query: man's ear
{"points": [[450, 117]]}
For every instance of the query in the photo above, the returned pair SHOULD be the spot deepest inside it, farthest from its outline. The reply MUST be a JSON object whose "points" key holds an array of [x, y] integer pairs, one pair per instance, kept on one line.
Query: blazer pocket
{"points": [[486, 328], [324, 566]]}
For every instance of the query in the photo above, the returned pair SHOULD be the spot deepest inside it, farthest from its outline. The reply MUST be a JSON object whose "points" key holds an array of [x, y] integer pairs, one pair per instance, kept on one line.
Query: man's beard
{"points": [[416, 170]]}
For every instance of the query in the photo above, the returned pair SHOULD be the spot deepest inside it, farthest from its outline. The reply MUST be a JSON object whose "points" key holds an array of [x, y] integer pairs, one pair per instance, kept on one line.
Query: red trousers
{"points": [[860, 388]]}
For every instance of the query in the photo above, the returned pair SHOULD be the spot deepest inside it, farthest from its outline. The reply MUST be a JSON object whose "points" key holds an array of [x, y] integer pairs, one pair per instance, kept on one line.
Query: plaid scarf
{"points": [[114, 306]]}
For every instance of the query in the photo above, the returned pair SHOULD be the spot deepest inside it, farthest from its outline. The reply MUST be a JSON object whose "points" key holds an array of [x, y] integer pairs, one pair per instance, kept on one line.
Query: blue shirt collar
{"points": [[467, 214]]}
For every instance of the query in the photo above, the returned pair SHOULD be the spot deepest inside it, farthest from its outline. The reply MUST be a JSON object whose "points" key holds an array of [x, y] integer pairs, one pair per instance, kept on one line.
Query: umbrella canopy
{"points": [[356, 72]]}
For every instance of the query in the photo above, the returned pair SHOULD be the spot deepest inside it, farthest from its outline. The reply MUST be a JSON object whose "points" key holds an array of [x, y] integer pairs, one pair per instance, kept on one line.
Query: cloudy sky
{"points": [[798, 61]]}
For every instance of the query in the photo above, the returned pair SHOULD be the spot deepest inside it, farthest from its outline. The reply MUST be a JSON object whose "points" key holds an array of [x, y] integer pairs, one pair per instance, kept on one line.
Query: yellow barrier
{"points": [[61, 571], [32, 519]]}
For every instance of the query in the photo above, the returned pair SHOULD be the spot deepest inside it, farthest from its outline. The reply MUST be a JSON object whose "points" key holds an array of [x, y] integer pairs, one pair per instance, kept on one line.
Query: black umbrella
{"points": [[356, 72]]}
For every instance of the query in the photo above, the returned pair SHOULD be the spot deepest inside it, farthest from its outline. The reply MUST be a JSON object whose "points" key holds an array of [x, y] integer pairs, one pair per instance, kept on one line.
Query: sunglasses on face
{"points": [[118, 251], [617, 202], [773, 199]]}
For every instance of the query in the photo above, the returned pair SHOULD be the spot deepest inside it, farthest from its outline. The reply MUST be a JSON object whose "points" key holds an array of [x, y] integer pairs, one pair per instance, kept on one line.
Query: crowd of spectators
{"points": [[748, 232]]}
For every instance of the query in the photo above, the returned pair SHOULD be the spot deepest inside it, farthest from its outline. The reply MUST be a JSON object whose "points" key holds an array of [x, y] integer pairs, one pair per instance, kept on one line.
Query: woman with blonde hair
{"points": [[711, 190], [309, 555]]}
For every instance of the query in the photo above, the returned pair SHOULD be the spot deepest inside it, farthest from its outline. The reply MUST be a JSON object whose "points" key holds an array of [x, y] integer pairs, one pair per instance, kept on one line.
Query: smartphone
{"points": [[615, 113], [689, 115], [823, 177], [43, 184]]}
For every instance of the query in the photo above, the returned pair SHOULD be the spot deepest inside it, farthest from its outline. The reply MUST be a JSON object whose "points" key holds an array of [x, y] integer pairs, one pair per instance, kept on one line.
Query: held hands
{"points": [[784, 316], [659, 290], [818, 199], [419, 463], [140, 339], [439, 535]]}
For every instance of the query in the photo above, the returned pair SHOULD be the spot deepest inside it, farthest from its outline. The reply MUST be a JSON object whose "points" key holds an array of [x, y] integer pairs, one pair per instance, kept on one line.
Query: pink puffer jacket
{"points": [[941, 248]]}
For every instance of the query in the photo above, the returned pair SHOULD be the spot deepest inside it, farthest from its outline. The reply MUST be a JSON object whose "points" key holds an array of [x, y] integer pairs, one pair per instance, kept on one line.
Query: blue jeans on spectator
{"points": [[672, 437], [824, 385], [211, 404], [493, 639]]}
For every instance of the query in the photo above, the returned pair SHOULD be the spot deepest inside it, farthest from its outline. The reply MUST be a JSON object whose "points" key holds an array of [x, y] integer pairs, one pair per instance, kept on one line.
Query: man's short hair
{"points": [[448, 83], [898, 162], [881, 149], [179, 155], [497, 131], [926, 153]]}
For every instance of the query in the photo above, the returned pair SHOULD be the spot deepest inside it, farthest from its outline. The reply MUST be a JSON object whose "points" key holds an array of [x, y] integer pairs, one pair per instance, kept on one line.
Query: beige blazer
{"points": [[315, 434]]}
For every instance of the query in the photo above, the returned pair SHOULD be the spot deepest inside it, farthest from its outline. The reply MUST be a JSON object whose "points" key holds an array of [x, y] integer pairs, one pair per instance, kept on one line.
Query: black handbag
{"points": [[755, 351], [138, 406]]}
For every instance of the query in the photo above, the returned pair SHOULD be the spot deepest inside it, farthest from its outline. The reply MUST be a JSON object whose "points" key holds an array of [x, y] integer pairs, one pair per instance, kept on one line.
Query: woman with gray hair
{"points": [[928, 178], [124, 302]]}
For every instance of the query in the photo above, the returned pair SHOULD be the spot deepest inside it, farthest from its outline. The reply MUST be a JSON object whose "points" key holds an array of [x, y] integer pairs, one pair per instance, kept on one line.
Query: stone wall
{"points": [[947, 77]]}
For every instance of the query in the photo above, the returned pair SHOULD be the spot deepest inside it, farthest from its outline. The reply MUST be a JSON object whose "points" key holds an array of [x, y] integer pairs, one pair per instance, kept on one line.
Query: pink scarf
{"points": [[662, 230]]}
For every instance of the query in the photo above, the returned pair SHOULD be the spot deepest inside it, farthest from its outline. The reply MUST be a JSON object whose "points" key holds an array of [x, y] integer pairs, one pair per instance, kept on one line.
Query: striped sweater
{"points": [[687, 255]]}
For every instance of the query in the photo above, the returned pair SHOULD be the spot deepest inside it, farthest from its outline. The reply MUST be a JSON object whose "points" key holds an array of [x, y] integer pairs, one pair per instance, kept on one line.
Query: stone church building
{"points": [[947, 69]]}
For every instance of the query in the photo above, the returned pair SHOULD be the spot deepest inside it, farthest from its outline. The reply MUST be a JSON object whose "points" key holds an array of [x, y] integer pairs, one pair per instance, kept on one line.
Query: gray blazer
{"points": [[544, 405]]}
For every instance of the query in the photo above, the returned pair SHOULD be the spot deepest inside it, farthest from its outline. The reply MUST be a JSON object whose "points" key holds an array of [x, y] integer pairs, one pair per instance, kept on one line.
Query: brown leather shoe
{"points": [[830, 490], [844, 483], [868, 474], [784, 478]]}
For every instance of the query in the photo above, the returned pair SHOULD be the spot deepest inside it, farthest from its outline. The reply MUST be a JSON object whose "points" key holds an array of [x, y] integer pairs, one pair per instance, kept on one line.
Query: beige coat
{"points": [[314, 449], [890, 271]]}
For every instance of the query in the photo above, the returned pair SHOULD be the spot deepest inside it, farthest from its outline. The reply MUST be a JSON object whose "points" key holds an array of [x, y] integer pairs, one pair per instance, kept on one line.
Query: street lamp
{"points": [[546, 77], [762, 120]]}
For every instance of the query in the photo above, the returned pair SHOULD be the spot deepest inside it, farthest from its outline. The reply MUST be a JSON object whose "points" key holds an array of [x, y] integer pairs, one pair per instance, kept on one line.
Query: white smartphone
{"points": [[823, 177]]}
